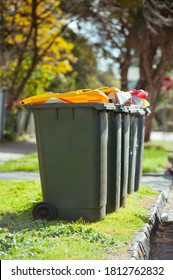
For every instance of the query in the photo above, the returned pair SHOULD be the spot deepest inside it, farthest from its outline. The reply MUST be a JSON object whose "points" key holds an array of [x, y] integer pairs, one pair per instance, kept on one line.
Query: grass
{"points": [[155, 159], [156, 156], [23, 238], [26, 163]]}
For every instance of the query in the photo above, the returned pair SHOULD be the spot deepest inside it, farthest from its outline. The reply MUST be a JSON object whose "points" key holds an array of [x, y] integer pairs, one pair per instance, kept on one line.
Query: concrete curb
{"points": [[140, 247]]}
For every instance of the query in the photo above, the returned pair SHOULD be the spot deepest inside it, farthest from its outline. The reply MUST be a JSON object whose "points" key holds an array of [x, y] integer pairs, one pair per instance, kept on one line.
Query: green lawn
{"points": [[23, 238], [26, 163], [156, 154]]}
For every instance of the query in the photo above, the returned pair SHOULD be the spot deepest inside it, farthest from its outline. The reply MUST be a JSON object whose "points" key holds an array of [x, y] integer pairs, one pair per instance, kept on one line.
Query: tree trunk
{"points": [[124, 67], [154, 94]]}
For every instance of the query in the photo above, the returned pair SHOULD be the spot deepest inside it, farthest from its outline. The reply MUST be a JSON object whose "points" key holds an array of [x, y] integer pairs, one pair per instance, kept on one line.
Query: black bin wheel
{"points": [[44, 210]]}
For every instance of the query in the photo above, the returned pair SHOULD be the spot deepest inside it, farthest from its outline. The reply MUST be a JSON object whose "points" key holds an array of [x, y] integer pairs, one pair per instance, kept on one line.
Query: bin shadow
{"points": [[22, 220]]}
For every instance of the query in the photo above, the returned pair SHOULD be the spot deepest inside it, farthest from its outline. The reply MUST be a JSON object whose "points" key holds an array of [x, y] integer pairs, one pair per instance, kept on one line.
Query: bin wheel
{"points": [[44, 210]]}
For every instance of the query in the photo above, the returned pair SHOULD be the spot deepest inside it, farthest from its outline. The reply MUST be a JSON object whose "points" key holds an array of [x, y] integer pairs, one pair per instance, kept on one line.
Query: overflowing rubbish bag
{"points": [[135, 98], [90, 145]]}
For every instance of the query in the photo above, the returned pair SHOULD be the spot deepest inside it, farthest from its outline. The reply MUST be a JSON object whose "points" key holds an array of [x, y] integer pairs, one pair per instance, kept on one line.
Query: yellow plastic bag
{"points": [[108, 90]]}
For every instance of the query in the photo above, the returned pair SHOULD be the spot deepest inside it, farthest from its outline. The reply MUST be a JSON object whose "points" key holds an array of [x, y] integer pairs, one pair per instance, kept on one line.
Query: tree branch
{"points": [[23, 50]]}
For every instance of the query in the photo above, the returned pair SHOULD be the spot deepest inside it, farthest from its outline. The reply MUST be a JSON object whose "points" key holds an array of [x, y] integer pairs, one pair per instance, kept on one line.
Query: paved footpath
{"points": [[159, 181], [15, 150], [19, 175]]}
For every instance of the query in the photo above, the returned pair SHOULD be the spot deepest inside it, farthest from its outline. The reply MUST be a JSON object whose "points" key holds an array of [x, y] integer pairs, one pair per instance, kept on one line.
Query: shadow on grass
{"points": [[20, 232], [23, 220]]}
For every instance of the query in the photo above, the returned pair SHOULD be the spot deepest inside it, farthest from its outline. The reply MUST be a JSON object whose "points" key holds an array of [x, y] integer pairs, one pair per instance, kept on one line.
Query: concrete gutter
{"points": [[140, 247]]}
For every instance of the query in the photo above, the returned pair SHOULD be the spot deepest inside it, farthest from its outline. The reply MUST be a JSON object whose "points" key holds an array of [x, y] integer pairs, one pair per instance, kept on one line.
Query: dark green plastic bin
{"points": [[142, 113], [125, 155], [114, 159], [72, 149], [132, 149]]}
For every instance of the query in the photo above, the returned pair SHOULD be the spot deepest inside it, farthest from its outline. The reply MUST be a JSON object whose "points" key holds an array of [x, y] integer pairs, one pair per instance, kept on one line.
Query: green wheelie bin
{"points": [[125, 154], [142, 113], [114, 159], [72, 150], [132, 148]]}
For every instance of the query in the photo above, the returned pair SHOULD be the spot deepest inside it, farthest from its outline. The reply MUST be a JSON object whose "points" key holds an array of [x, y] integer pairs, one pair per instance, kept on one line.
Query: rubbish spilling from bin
{"points": [[133, 97], [90, 144]]}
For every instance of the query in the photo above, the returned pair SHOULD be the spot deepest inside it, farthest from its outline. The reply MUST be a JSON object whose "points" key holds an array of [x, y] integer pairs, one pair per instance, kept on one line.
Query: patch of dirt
{"points": [[120, 255], [162, 245], [148, 202]]}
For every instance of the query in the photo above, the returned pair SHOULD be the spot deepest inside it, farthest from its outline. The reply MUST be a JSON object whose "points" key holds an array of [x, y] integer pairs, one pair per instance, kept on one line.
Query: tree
{"points": [[32, 48], [140, 30], [85, 70]]}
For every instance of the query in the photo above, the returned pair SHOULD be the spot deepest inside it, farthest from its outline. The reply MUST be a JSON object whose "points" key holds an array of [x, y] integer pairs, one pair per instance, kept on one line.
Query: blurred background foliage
{"points": [[65, 45]]}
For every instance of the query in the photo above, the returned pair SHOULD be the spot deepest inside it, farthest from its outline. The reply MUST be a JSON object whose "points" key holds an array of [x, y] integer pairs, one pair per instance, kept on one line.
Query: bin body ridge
{"points": [[125, 157], [140, 149], [133, 151], [114, 160]]}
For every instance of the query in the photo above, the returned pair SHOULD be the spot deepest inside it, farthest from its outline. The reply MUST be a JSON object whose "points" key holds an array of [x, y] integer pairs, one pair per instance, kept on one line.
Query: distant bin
{"points": [[120, 126], [125, 149], [72, 150], [132, 149], [142, 113], [114, 159]]}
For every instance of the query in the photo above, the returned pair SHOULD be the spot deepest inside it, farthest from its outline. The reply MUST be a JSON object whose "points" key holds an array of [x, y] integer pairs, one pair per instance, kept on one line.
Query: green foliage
{"points": [[39, 81], [32, 49], [86, 73], [64, 83]]}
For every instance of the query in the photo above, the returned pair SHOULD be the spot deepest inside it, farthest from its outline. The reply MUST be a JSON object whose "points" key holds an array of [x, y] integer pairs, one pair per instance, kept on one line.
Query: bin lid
{"points": [[147, 111], [137, 110], [121, 109], [141, 111], [97, 106]]}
